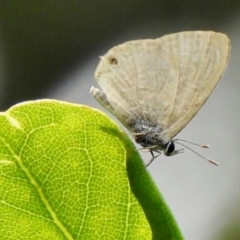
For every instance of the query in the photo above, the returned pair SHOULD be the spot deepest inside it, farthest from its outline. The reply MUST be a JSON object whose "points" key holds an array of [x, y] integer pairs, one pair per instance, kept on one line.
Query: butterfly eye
{"points": [[170, 148]]}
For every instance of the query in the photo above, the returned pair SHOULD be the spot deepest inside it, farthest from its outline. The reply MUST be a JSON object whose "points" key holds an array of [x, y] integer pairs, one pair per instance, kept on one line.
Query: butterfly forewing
{"points": [[203, 57]]}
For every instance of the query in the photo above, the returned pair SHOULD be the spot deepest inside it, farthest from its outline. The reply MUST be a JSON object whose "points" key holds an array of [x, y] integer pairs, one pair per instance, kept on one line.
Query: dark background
{"points": [[50, 49]]}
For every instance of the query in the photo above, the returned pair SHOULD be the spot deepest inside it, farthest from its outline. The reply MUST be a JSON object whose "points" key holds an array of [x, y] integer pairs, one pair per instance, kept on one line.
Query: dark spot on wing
{"points": [[113, 61]]}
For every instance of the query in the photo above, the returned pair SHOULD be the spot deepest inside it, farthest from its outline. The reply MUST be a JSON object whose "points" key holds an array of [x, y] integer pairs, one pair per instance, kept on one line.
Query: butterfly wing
{"points": [[164, 81], [202, 58]]}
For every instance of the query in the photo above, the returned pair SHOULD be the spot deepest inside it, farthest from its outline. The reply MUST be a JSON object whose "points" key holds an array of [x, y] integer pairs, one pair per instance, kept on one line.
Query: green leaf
{"points": [[68, 172]]}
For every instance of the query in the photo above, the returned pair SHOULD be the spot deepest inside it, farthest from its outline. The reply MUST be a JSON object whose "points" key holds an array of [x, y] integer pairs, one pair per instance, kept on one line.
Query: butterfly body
{"points": [[149, 134]]}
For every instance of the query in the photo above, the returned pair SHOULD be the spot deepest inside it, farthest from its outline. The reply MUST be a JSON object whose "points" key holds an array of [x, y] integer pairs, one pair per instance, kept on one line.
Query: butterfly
{"points": [[154, 87]]}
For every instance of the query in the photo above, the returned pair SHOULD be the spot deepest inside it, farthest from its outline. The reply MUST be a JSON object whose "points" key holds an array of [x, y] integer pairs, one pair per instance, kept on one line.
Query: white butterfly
{"points": [[156, 86]]}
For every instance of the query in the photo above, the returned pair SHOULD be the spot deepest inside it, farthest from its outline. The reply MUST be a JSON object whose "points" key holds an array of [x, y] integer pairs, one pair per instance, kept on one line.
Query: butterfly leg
{"points": [[153, 157]]}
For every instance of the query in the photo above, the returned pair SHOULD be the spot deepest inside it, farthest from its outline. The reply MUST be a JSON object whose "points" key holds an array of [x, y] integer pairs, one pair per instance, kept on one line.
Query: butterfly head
{"points": [[169, 149]]}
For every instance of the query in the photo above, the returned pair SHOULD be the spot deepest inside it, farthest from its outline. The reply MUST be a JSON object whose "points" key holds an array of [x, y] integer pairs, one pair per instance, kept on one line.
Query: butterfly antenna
{"points": [[196, 144], [209, 160]]}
